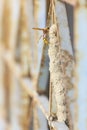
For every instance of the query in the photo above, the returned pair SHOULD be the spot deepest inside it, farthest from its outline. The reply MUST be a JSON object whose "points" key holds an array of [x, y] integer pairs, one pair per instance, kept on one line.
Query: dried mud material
{"points": [[60, 61], [61, 66]]}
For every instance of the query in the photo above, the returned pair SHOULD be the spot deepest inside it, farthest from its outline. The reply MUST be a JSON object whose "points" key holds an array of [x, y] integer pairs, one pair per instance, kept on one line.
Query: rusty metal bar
{"points": [[10, 29], [25, 103], [32, 42], [3, 111], [80, 31]]}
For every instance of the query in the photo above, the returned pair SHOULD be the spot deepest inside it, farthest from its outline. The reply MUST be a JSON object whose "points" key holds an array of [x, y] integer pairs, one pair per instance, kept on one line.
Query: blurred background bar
{"points": [[80, 44]]}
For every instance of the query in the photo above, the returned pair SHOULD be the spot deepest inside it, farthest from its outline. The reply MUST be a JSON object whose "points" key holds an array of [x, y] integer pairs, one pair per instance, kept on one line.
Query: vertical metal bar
{"points": [[2, 85], [33, 45], [25, 101], [80, 20], [11, 19], [24, 40]]}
